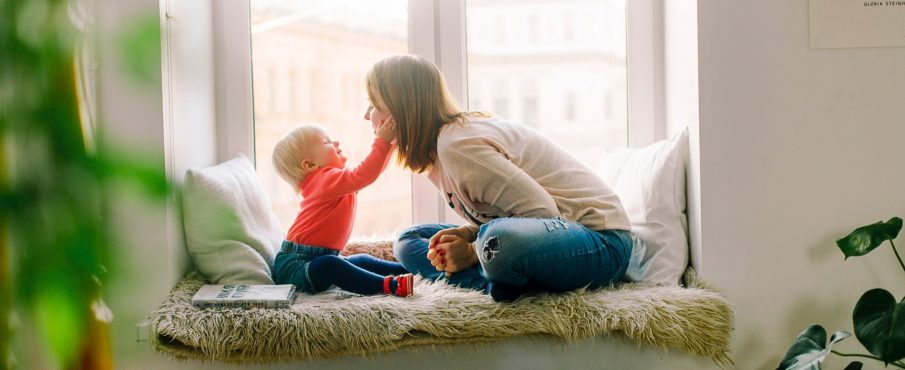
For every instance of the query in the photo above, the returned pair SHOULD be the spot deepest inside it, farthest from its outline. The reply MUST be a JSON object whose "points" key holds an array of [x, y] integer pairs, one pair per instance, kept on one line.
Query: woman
{"points": [[539, 219]]}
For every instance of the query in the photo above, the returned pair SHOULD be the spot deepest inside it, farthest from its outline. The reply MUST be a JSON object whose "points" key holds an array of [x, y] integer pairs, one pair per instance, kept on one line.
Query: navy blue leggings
{"points": [[359, 273]]}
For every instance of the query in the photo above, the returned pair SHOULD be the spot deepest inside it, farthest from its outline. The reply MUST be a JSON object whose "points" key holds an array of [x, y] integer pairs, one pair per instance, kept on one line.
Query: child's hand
{"points": [[387, 130]]}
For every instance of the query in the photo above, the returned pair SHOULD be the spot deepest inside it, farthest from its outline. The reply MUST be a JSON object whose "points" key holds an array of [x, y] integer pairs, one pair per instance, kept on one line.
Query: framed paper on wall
{"points": [[857, 23]]}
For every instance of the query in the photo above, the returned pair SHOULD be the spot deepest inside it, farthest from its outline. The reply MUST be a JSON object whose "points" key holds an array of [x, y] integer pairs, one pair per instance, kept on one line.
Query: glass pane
{"points": [[555, 65], [309, 63]]}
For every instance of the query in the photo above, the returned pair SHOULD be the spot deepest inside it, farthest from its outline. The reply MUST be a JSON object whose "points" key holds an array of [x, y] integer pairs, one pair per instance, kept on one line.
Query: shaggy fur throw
{"points": [[695, 319]]}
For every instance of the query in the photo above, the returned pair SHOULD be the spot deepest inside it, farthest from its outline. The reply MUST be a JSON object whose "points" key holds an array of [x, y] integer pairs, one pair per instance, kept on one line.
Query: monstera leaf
{"points": [[810, 348], [880, 324], [864, 239]]}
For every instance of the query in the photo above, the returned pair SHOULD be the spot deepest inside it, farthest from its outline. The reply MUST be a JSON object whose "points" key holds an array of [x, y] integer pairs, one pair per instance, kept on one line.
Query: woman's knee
{"points": [[504, 247], [422, 231], [499, 259], [414, 240], [404, 247], [412, 253], [495, 236], [409, 233], [409, 238]]}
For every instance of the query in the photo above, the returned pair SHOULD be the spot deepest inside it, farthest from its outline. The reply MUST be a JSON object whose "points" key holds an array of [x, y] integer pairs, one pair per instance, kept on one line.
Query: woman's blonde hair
{"points": [[415, 94], [291, 149]]}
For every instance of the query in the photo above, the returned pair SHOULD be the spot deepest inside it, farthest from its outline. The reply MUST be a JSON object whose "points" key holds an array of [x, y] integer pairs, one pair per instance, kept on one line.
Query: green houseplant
{"points": [[878, 320], [56, 253]]}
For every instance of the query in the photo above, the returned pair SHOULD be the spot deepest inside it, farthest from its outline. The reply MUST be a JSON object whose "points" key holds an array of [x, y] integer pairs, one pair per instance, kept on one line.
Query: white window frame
{"points": [[646, 71], [436, 32], [234, 104], [440, 39]]}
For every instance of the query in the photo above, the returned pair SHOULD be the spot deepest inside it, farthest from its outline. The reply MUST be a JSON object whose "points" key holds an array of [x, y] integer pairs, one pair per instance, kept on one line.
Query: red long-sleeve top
{"points": [[329, 197]]}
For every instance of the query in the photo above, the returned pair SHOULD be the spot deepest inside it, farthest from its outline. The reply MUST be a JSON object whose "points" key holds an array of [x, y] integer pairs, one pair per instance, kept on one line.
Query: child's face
{"points": [[377, 113], [325, 152]]}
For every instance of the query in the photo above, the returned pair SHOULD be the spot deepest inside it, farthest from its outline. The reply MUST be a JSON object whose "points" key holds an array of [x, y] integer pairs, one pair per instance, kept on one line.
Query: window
{"points": [[569, 108], [529, 110], [529, 103], [516, 63], [293, 80], [332, 44], [534, 28], [583, 75]]}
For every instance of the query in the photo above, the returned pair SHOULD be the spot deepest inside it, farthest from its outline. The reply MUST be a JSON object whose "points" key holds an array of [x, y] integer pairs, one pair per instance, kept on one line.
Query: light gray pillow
{"points": [[231, 232]]}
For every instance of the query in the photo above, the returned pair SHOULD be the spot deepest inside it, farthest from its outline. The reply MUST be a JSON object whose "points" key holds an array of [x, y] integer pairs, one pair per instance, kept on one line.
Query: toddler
{"points": [[309, 258]]}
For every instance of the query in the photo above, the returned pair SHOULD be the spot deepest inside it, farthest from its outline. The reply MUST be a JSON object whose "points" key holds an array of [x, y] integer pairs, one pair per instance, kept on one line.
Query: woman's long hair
{"points": [[416, 95]]}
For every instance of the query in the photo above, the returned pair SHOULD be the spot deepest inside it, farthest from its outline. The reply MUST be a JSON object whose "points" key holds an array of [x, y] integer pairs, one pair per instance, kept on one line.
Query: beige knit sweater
{"points": [[489, 168]]}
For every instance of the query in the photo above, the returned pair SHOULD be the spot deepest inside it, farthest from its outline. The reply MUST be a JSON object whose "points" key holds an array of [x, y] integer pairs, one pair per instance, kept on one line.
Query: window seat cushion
{"points": [[694, 319]]}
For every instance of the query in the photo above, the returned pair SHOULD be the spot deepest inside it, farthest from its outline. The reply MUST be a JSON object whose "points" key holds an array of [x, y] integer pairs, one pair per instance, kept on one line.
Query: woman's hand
{"points": [[451, 250], [387, 130]]}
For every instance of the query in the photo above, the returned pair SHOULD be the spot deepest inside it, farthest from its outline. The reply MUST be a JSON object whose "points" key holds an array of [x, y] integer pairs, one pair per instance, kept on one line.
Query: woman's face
{"points": [[376, 113]]}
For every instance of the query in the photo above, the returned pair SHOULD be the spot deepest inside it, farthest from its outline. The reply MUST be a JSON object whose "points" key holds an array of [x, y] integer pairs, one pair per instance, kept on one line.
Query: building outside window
{"points": [[579, 78]]}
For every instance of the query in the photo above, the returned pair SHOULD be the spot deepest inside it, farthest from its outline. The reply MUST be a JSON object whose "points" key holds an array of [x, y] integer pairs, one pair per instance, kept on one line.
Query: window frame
{"points": [[441, 39], [233, 104]]}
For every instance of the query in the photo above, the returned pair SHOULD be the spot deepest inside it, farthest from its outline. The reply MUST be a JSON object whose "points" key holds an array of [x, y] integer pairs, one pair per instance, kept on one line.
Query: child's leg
{"points": [[325, 271], [376, 265]]}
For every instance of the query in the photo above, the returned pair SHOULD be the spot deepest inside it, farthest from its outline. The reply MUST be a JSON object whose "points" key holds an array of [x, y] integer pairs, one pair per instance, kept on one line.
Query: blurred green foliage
{"points": [[55, 250], [139, 49]]}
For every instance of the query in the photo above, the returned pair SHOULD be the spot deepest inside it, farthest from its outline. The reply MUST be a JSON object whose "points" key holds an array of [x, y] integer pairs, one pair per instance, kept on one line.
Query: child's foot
{"points": [[405, 285]]}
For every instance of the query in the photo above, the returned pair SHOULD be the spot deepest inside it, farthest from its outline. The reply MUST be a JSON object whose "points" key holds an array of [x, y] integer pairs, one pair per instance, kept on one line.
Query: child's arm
{"points": [[349, 180]]}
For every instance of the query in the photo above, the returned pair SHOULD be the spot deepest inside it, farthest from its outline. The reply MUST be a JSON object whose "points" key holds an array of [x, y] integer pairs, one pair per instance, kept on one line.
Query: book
{"points": [[243, 296]]}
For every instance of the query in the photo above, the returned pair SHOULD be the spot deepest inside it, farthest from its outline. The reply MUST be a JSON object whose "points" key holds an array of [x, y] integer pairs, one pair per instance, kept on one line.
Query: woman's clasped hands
{"points": [[451, 251]]}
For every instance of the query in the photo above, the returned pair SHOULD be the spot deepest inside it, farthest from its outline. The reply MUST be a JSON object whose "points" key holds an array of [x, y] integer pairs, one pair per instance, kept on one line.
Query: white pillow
{"points": [[231, 233], [650, 182]]}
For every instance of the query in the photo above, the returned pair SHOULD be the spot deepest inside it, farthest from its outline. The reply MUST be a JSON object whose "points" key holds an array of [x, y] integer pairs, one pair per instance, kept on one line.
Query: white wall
{"points": [[178, 133], [131, 116], [798, 147]]}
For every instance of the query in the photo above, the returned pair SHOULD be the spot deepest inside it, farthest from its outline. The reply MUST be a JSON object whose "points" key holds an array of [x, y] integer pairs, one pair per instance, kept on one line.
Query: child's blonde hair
{"points": [[291, 149]]}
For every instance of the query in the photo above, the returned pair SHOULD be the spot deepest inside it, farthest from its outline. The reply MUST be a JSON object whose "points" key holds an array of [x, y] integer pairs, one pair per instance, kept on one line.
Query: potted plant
{"points": [[878, 320]]}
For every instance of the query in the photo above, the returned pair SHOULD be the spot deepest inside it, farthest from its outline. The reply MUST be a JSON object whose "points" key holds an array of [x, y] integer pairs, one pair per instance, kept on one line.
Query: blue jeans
{"points": [[314, 269], [549, 254]]}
